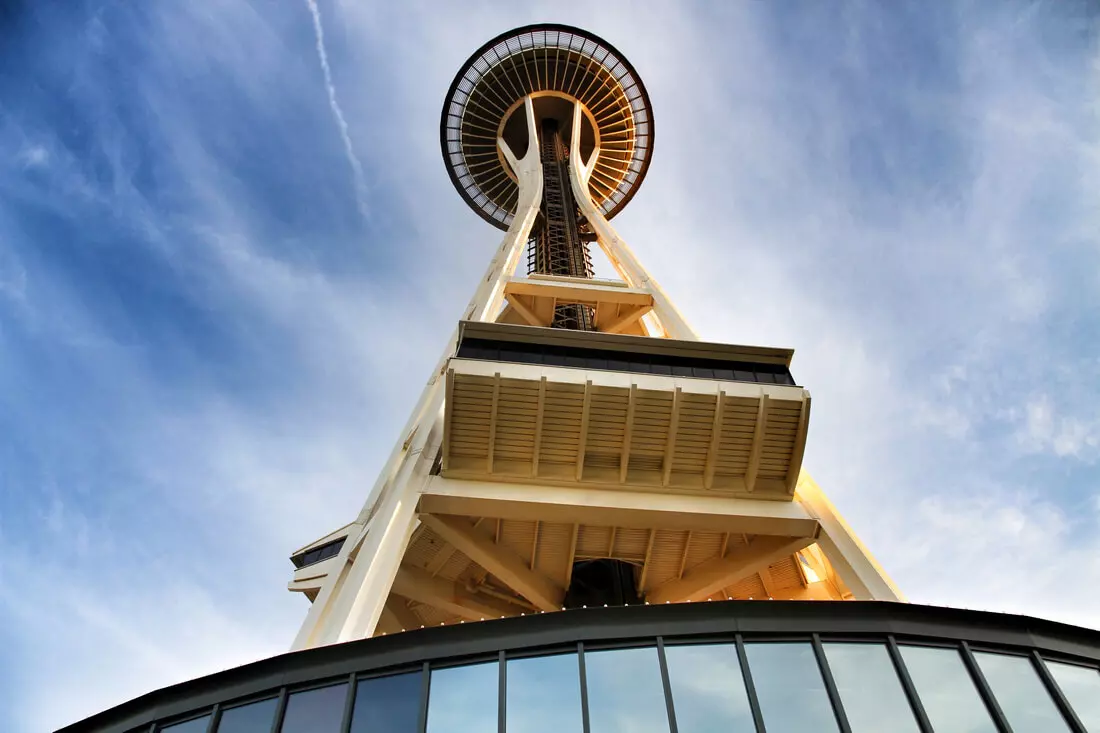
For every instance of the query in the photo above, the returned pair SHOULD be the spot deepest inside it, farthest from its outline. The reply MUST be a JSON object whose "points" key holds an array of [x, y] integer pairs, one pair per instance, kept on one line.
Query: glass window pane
{"points": [[790, 688], [255, 717], [625, 692], [869, 688], [1081, 686], [1020, 693], [544, 695], [463, 699], [946, 690], [195, 725], [387, 704], [708, 692], [315, 711]]}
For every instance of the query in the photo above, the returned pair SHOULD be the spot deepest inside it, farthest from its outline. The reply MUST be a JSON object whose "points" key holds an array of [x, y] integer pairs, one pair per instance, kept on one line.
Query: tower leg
{"points": [[350, 601], [620, 255]]}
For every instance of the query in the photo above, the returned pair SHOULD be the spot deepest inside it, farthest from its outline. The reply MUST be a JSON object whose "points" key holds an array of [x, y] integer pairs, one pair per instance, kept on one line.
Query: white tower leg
{"points": [[622, 258], [350, 601]]}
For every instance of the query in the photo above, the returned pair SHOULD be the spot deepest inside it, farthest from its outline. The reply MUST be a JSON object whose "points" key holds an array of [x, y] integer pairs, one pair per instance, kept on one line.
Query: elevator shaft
{"points": [[558, 247]]}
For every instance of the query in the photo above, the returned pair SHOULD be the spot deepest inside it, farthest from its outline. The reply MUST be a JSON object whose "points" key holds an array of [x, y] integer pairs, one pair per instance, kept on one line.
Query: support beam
{"points": [[520, 307], [498, 560], [648, 557], [670, 444], [715, 440], [799, 447], [757, 443], [625, 320], [493, 423], [539, 412], [850, 559], [572, 555], [713, 575], [417, 585], [615, 508], [766, 581], [586, 407], [448, 418], [628, 431], [397, 614]]}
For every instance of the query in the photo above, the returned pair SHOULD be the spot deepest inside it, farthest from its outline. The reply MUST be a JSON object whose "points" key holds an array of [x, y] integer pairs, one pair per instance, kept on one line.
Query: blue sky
{"points": [[218, 304]]}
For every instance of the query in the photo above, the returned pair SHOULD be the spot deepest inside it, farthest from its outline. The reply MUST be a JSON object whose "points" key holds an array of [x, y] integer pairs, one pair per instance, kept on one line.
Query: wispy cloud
{"points": [[203, 359], [358, 178]]}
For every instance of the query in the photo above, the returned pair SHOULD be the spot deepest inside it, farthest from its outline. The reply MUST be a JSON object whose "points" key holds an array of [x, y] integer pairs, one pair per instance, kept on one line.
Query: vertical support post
{"points": [[666, 683], [830, 685], [502, 693], [1056, 693], [908, 686], [585, 724], [621, 257], [984, 690], [349, 704], [750, 687]]}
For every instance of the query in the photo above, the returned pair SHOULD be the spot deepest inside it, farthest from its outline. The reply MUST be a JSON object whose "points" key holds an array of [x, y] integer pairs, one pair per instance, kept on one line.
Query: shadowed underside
{"points": [[555, 65]]}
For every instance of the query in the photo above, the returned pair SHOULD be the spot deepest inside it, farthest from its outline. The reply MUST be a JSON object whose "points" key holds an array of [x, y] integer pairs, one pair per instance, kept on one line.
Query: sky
{"points": [[230, 256]]}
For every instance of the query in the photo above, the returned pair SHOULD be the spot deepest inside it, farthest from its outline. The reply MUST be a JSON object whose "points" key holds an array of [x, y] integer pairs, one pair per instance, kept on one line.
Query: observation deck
{"points": [[557, 66]]}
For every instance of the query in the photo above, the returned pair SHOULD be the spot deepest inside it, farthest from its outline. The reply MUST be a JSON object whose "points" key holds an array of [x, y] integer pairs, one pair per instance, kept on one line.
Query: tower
{"points": [[577, 444], [579, 469]]}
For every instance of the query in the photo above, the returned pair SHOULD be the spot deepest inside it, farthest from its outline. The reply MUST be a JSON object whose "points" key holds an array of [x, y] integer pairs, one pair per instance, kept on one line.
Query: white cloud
{"points": [[926, 321]]}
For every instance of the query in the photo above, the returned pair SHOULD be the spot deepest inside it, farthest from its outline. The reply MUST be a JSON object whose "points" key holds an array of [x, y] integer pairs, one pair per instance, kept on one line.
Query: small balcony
{"points": [[596, 409]]}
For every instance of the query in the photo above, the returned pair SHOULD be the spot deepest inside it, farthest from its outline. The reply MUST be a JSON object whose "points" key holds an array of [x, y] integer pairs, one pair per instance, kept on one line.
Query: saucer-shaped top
{"points": [[557, 66]]}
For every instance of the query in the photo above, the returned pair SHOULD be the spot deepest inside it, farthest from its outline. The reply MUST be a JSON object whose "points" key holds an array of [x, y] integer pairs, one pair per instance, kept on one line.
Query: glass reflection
{"points": [[946, 690], [1020, 693], [869, 688], [463, 699], [708, 692], [195, 725], [256, 717], [387, 704], [1081, 686], [544, 695], [315, 711], [790, 688], [625, 692]]}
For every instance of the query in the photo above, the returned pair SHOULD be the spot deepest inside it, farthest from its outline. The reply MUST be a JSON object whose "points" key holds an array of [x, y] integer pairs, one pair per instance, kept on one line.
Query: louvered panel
{"points": [[421, 552], [593, 541], [517, 408], [695, 451], [704, 546], [553, 551], [785, 575], [693, 433], [630, 544], [750, 587], [664, 563], [519, 536], [455, 566]]}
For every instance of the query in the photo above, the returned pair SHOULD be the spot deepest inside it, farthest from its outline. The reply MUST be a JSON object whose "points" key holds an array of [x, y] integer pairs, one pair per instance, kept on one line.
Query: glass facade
{"points": [[1081, 686], [733, 684], [708, 690], [464, 699], [790, 688], [315, 711], [544, 695], [256, 717], [1020, 693], [867, 682], [950, 697]]}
